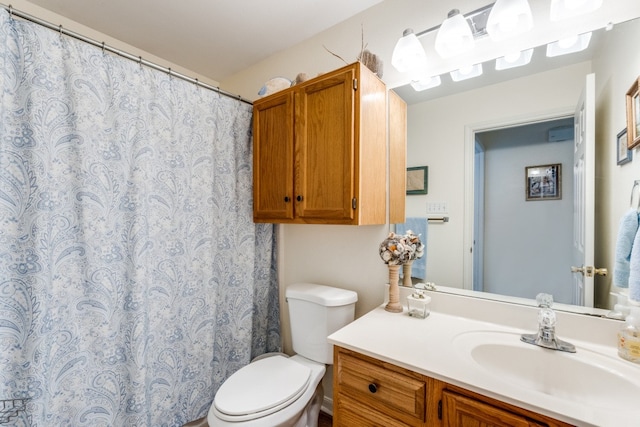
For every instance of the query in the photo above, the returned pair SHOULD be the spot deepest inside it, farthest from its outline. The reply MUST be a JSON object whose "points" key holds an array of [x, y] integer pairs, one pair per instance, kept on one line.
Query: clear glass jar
{"points": [[418, 304]]}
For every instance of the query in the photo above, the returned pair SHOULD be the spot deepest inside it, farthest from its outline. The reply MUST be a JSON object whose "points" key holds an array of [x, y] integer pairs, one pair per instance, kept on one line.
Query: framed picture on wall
{"points": [[624, 154], [418, 180], [543, 182], [633, 115]]}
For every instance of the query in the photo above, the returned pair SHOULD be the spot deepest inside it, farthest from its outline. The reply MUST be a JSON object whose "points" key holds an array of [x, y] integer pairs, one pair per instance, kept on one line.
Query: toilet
{"points": [[277, 390]]}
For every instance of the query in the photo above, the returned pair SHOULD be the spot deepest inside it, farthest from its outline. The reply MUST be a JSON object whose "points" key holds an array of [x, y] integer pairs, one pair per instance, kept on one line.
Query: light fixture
{"points": [[465, 73], [515, 59], [563, 9], [426, 83], [509, 18], [569, 45], [409, 55], [454, 36]]}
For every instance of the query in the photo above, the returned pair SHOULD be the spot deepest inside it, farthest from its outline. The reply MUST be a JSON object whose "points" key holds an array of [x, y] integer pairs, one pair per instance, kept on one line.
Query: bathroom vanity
{"points": [[373, 392], [465, 365]]}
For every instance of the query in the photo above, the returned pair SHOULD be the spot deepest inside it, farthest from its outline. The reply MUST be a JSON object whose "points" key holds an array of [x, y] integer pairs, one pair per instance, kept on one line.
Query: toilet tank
{"points": [[315, 312]]}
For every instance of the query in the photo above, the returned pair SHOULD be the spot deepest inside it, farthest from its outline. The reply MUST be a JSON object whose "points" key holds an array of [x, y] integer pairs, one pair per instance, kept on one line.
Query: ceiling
{"points": [[214, 38]]}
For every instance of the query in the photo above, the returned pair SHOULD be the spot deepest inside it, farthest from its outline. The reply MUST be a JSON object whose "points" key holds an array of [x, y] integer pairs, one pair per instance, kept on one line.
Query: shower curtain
{"points": [[133, 281]]}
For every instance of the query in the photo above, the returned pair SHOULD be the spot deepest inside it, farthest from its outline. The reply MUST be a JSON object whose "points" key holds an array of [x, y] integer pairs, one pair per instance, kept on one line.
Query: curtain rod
{"points": [[59, 28]]}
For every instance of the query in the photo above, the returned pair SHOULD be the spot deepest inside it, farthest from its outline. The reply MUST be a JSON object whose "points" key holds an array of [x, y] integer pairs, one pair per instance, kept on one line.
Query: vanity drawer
{"points": [[354, 414], [386, 388]]}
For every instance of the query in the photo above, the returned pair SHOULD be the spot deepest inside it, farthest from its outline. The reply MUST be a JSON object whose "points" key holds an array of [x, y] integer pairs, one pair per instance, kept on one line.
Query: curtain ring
{"points": [[140, 61], [10, 12], [103, 47], [60, 29], [169, 72]]}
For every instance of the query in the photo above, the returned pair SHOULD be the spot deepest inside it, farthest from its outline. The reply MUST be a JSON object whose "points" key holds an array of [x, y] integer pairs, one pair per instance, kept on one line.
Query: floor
{"points": [[325, 420]]}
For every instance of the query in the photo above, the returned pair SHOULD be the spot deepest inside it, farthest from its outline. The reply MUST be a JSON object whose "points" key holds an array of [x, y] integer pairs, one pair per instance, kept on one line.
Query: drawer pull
{"points": [[299, 198], [373, 388]]}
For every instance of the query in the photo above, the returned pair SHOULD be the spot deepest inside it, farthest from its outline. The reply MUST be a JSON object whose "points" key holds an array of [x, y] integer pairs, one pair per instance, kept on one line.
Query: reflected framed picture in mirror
{"points": [[543, 182], [418, 180], [633, 115], [624, 154]]}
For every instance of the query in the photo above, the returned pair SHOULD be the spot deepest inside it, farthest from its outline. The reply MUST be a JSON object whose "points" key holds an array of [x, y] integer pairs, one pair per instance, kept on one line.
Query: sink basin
{"points": [[587, 377]]}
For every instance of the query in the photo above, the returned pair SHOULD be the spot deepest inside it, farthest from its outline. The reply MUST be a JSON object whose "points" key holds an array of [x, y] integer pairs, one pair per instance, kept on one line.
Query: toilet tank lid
{"points": [[327, 296]]}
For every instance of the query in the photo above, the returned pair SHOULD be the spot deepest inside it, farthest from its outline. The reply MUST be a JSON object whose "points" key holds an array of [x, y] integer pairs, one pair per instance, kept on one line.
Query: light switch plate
{"points": [[437, 208]]}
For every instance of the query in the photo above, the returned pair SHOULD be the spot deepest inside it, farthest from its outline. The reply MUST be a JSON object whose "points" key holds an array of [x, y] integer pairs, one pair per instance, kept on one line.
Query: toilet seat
{"points": [[261, 388]]}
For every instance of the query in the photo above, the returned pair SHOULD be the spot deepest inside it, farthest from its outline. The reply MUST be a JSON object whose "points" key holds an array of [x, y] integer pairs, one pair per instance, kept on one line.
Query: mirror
{"points": [[442, 121]]}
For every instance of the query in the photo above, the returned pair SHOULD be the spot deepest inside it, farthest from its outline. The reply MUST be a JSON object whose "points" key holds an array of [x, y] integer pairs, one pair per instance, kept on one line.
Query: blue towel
{"points": [[419, 227], [625, 242], [634, 271]]}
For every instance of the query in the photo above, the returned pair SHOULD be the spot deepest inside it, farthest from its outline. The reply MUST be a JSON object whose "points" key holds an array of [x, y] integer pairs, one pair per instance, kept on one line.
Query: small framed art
{"points": [[418, 180], [633, 115], [624, 154], [543, 182]]}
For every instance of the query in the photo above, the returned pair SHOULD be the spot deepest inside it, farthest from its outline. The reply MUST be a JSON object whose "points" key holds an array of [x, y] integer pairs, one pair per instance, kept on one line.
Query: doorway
{"points": [[522, 247]]}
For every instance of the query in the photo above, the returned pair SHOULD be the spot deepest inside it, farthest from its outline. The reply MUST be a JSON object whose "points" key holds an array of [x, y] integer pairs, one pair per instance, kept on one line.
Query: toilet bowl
{"points": [[274, 391], [277, 390]]}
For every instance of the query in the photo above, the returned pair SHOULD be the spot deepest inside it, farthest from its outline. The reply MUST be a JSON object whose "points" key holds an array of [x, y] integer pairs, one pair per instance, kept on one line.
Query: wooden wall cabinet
{"points": [[320, 151], [397, 158], [368, 392]]}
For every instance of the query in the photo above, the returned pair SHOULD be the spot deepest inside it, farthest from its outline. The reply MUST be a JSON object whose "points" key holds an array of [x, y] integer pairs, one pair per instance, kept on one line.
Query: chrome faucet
{"points": [[546, 336]]}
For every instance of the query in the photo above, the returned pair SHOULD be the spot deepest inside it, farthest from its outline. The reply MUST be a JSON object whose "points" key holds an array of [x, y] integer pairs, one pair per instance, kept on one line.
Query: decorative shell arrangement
{"points": [[397, 249], [416, 247]]}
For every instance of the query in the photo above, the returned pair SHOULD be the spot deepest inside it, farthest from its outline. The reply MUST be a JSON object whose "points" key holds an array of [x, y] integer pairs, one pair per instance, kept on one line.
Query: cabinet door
{"points": [[462, 411], [397, 158], [273, 159], [325, 171]]}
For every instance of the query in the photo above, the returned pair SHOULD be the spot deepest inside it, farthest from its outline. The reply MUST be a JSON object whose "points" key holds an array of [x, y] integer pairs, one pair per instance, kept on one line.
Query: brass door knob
{"points": [[590, 271]]}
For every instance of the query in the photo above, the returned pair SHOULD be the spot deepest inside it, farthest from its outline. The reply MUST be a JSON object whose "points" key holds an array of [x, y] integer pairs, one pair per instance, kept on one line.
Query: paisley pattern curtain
{"points": [[133, 281]]}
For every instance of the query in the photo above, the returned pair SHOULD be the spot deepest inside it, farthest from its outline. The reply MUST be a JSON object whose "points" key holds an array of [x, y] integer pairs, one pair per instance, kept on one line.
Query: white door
{"points": [[584, 195], [478, 220]]}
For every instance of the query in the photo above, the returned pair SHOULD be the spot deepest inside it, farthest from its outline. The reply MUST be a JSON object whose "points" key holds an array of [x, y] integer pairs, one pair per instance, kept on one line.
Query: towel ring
{"points": [[636, 184]]}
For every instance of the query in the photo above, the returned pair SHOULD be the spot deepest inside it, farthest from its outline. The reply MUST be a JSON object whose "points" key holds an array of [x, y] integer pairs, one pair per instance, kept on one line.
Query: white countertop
{"points": [[426, 346]]}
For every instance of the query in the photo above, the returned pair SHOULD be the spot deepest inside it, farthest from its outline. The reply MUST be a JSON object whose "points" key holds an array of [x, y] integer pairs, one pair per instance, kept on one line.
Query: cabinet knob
{"points": [[299, 198], [287, 199], [373, 387]]}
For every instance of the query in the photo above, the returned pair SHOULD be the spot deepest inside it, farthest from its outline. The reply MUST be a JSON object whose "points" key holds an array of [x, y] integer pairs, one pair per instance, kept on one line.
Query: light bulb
{"points": [[512, 57], [567, 42], [454, 36], [509, 18], [408, 54]]}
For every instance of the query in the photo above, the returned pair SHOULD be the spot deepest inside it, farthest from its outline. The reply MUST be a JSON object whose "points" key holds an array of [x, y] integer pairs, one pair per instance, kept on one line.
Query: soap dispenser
{"points": [[629, 337]]}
